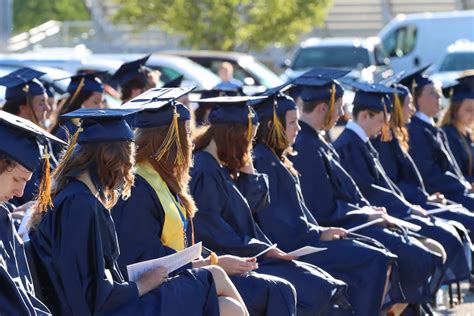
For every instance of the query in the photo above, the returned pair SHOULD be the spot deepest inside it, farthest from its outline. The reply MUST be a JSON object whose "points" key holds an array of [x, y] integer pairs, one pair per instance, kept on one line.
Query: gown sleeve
{"points": [[210, 193], [254, 187], [79, 261], [139, 223]]}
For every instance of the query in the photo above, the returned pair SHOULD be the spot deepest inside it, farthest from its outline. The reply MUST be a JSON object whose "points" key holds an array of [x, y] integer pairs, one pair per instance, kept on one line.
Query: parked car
{"points": [[414, 40], [255, 75], [364, 57], [172, 67]]}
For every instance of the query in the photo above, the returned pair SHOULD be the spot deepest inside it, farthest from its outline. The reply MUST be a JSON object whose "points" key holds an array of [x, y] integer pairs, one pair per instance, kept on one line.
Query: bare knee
{"points": [[231, 307]]}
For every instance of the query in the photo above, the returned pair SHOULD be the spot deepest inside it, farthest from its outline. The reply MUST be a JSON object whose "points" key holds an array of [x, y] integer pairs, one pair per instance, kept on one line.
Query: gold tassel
{"points": [[171, 137], [277, 137], [332, 101], [386, 136], [44, 200], [78, 89], [397, 111], [67, 154], [250, 116]]}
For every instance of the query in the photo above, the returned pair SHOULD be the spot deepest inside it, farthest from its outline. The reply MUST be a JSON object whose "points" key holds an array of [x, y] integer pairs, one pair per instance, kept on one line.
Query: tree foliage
{"points": [[227, 24], [30, 13]]}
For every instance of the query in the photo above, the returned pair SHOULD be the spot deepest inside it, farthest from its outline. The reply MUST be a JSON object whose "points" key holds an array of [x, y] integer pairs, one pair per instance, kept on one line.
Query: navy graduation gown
{"points": [[401, 169], [332, 193], [462, 149], [225, 224], [289, 223], [15, 275], [361, 160], [139, 223], [430, 151], [76, 249]]}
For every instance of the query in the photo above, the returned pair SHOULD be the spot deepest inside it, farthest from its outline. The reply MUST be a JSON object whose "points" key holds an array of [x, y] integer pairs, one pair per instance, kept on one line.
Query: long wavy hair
{"points": [[176, 176], [397, 124], [234, 149], [111, 162], [282, 151]]}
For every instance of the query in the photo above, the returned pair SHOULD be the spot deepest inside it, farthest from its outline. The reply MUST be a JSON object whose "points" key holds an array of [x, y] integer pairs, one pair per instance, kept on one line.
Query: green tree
{"points": [[31, 13], [227, 24]]}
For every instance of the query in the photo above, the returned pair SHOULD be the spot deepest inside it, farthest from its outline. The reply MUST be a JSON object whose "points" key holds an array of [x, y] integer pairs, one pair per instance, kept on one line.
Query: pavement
{"points": [[467, 306]]}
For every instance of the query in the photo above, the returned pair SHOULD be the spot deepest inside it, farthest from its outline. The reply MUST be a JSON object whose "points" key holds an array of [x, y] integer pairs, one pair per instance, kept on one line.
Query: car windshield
{"points": [[332, 56], [458, 62], [266, 77]]}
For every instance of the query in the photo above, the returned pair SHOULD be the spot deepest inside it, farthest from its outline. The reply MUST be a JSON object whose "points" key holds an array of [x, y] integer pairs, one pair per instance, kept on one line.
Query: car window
{"points": [[400, 42], [457, 62], [167, 74], [331, 56]]}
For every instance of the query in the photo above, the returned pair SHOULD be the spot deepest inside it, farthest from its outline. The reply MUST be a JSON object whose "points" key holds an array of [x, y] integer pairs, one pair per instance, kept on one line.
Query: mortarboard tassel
{"points": [[171, 137], [67, 154], [78, 89], [386, 135], [250, 116], [397, 111], [44, 200], [329, 114], [276, 137]]}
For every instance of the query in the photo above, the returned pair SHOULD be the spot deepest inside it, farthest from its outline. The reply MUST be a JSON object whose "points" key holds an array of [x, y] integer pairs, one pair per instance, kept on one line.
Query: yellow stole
{"points": [[172, 234]]}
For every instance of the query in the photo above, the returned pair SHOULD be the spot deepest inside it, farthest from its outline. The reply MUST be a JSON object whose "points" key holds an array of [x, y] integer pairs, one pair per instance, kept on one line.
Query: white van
{"points": [[414, 40]]}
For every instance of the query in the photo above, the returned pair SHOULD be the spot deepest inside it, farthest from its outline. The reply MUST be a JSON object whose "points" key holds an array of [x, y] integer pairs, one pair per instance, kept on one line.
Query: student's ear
{"points": [[322, 108]]}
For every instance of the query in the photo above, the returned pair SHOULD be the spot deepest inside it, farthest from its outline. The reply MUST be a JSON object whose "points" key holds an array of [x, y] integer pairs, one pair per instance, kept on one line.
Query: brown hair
{"points": [[283, 151], [113, 163], [6, 163], [309, 106], [451, 114], [141, 81], [176, 176], [234, 149]]}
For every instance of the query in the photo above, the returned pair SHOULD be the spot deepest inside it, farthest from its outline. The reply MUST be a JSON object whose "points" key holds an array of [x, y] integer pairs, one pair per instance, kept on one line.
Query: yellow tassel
{"points": [[67, 154], [44, 200], [78, 89], [397, 111], [332, 101], [250, 116], [277, 137], [386, 135], [171, 137]]}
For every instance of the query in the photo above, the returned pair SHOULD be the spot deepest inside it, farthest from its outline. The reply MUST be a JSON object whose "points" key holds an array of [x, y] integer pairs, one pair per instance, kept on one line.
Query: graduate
{"points": [[153, 221], [457, 122], [429, 146], [26, 97], [134, 78], [334, 199], [287, 221], [74, 238], [400, 167], [372, 106], [21, 150], [85, 91], [228, 191]]}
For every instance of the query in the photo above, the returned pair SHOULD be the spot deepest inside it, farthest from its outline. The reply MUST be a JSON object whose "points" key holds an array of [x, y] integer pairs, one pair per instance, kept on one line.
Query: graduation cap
{"points": [[374, 97], [22, 83], [275, 106], [160, 108], [462, 89], [128, 71], [233, 110], [84, 82], [321, 84], [174, 83], [416, 80], [27, 144]]}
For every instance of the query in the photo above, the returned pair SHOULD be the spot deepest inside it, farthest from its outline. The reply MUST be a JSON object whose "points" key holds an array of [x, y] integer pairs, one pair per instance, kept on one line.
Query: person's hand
{"points": [[233, 265], [19, 212], [151, 279], [377, 215], [279, 254], [332, 233], [437, 198], [381, 209], [419, 211]]}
